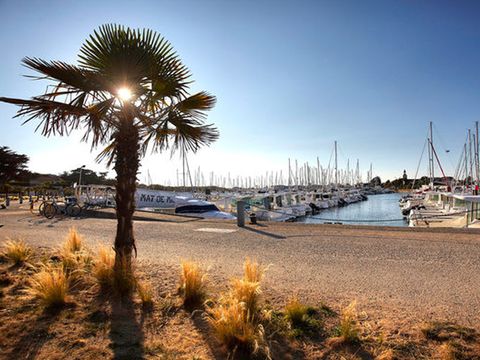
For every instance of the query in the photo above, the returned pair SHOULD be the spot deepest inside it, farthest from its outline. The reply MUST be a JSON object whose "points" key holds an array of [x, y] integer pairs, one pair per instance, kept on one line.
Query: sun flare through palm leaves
{"points": [[124, 93]]}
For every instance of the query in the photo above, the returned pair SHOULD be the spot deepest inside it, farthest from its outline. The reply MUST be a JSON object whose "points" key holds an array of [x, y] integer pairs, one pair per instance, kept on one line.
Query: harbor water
{"points": [[378, 210]]}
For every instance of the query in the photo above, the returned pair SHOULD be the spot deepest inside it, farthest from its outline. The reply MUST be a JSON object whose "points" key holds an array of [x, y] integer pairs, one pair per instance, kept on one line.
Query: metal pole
{"points": [[466, 166], [336, 166], [470, 154], [477, 162], [241, 213], [80, 176], [432, 164]]}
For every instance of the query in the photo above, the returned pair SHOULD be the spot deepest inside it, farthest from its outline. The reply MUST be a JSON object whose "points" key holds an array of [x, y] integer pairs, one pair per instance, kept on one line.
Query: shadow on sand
{"points": [[126, 333], [265, 233], [31, 342]]}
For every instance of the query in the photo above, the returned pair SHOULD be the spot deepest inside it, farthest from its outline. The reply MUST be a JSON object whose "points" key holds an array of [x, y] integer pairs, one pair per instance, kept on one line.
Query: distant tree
{"points": [[88, 177], [376, 181], [13, 166], [130, 93]]}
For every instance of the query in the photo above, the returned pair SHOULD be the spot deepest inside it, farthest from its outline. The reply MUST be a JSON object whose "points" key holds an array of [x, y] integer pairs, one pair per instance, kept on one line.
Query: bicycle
{"points": [[70, 208], [41, 207]]}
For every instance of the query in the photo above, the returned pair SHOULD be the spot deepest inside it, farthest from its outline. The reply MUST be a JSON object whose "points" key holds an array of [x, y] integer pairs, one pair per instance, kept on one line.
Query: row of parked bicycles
{"points": [[52, 207]]}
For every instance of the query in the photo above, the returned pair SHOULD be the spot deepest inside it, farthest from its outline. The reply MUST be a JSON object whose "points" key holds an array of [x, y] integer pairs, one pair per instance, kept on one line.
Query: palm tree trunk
{"points": [[126, 167]]}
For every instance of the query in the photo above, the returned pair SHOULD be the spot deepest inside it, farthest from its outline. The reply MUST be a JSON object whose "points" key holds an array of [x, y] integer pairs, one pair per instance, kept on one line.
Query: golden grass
{"points": [[192, 283], [236, 317], [103, 268], [73, 242], [232, 327], [349, 328], [296, 312], [447, 351], [248, 293], [17, 251], [123, 277], [387, 354], [253, 271], [74, 256], [247, 290], [50, 285], [145, 292], [111, 276], [75, 262]]}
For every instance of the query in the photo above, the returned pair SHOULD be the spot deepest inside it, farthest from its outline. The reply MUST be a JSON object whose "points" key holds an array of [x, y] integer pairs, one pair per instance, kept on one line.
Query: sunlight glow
{"points": [[124, 93]]}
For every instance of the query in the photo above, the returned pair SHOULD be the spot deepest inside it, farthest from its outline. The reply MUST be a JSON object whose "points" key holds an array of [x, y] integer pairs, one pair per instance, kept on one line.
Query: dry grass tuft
{"points": [[236, 318], [349, 328], [17, 251], [192, 283], [50, 285], [447, 351], [103, 268], [296, 312], [234, 328], [112, 276], [248, 293], [303, 319], [253, 271], [123, 277], [247, 290], [387, 354], [74, 256], [73, 242], [145, 292]]}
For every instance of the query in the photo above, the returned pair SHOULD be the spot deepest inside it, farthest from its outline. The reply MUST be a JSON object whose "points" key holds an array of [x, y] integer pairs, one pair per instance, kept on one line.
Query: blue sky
{"points": [[290, 76]]}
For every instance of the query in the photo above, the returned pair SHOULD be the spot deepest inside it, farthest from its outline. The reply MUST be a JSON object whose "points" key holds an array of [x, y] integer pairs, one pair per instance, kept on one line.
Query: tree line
{"points": [[16, 177]]}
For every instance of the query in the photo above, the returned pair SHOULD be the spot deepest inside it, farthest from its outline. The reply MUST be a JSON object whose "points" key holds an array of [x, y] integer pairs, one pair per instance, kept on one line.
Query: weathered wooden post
{"points": [[20, 198], [241, 213]]}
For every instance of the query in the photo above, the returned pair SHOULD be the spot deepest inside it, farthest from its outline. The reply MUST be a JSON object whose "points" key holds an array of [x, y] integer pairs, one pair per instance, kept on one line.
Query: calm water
{"points": [[377, 207]]}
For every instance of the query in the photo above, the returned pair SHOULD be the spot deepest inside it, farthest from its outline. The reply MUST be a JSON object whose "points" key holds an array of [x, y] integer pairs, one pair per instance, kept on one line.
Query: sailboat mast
{"points": [[470, 154], [477, 162], [296, 173], [318, 172], [430, 153], [289, 174], [336, 166], [466, 165]]}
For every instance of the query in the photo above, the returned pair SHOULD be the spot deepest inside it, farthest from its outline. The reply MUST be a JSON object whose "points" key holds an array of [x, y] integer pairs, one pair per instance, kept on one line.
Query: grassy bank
{"points": [[67, 300]]}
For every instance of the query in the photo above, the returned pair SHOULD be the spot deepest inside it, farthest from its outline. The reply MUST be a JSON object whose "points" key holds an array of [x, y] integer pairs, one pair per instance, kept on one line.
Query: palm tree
{"points": [[129, 93]]}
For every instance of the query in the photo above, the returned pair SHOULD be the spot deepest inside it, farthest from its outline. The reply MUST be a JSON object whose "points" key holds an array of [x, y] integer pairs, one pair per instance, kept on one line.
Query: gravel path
{"points": [[411, 274]]}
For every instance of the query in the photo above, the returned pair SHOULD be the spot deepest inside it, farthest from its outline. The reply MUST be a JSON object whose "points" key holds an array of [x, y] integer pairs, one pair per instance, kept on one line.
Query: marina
{"points": [[379, 210], [282, 181]]}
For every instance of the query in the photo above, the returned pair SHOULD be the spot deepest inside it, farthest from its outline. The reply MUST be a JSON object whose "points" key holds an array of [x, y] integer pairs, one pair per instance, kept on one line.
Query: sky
{"points": [[290, 77]]}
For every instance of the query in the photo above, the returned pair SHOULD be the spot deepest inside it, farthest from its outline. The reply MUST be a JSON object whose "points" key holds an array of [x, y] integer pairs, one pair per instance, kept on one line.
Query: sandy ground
{"points": [[399, 273]]}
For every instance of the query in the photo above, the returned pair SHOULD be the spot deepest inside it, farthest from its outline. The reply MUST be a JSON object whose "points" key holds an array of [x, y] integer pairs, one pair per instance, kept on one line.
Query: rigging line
{"points": [[341, 152], [419, 162], [459, 168], [438, 161], [442, 144]]}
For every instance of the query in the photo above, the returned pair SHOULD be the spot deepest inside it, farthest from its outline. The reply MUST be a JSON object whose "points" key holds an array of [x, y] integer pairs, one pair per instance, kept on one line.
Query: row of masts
{"points": [[467, 172], [302, 175], [468, 166]]}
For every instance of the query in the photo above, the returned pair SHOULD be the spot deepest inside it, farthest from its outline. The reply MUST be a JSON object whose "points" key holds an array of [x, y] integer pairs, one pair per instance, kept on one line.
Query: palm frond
{"points": [[108, 153], [135, 58], [196, 104], [55, 117], [186, 133], [70, 75]]}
